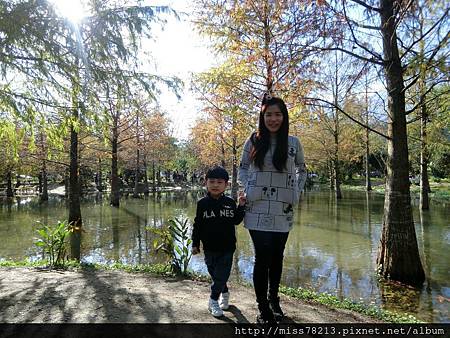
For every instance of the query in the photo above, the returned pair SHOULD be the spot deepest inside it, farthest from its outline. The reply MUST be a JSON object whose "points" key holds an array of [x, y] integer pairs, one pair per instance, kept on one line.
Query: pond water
{"points": [[332, 247]]}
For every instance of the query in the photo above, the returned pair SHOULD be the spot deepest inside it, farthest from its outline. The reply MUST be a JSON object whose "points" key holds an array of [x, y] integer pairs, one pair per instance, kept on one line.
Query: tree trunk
{"points": [[44, 195], [136, 175], [424, 156], [268, 58], [223, 162], [330, 167], [424, 181], [158, 176], [40, 183], [234, 184], [81, 176], [337, 177], [74, 193], [99, 176], [146, 189], [336, 171], [368, 183], [153, 176], [9, 189], [115, 188], [337, 180], [66, 182], [398, 255], [337, 183]]}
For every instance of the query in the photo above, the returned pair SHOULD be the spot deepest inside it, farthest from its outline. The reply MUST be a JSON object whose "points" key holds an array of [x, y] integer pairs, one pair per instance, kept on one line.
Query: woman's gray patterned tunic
{"points": [[271, 194]]}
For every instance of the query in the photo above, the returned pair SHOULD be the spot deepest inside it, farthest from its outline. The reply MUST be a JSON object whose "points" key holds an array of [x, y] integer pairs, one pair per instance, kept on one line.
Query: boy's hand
{"points": [[242, 198], [195, 250]]}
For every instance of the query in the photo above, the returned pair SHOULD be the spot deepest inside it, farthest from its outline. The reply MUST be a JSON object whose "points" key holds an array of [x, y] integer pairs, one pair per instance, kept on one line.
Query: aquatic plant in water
{"points": [[174, 241], [53, 241]]}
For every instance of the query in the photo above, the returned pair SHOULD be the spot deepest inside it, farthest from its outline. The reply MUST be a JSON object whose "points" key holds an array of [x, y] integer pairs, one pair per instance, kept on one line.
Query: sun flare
{"points": [[73, 10]]}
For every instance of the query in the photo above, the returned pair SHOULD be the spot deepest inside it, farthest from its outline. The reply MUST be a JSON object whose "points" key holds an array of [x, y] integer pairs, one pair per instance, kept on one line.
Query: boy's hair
{"points": [[217, 172]]}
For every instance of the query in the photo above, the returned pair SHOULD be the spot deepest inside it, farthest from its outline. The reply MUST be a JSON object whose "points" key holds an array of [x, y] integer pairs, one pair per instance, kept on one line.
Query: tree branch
{"points": [[423, 95], [371, 60], [370, 8], [355, 40], [51, 161], [424, 35], [346, 114]]}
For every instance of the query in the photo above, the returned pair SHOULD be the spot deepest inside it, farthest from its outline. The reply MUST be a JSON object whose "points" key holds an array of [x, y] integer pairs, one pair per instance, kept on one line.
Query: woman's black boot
{"points": [[274, 304], [265, 315]]}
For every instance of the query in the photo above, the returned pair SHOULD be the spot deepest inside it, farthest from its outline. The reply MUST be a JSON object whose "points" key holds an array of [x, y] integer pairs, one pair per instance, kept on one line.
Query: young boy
{"points": [[214, 225]]}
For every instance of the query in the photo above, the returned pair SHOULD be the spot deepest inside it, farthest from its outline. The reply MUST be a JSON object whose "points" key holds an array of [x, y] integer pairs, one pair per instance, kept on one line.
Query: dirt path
{"points": [[30, 295]]}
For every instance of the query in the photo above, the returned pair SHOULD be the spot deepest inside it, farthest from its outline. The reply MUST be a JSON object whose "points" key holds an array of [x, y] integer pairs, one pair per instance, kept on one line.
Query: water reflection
{"points": [[332, 247], [115, 233]]}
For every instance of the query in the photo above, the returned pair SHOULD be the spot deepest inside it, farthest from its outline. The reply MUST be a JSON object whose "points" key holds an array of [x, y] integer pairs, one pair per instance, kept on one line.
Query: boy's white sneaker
{"points": [[224, 300], [214, 308]]}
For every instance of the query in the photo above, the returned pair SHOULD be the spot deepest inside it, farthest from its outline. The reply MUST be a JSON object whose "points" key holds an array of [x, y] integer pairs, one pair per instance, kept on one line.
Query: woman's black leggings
{"points": [[269, 249]]}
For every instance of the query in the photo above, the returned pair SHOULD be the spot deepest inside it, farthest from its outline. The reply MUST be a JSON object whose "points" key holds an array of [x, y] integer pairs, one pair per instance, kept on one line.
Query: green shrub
{"points": [[174, 242], [53, 241]]}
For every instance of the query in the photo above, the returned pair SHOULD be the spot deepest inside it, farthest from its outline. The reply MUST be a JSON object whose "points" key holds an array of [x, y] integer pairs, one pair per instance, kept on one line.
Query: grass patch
{"points": [[156, 269], [440, 192], [24, 263], [351, 187], [347, 304]]}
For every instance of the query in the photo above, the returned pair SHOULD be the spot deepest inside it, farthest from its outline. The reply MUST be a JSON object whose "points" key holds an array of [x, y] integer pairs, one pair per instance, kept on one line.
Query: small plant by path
{"points": [[53, 241], [175, 242]]}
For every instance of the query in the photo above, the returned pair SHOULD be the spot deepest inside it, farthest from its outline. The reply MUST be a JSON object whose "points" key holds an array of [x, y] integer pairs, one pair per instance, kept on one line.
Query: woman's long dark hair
{"points": [[261, 139]]}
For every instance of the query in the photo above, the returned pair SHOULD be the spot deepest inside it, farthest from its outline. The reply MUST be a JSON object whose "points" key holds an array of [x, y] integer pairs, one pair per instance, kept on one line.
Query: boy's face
{"points": [[216, 186]]}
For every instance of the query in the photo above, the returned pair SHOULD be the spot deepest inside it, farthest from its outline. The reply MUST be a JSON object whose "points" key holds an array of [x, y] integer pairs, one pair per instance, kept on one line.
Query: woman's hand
{"points": [[242, 198]]}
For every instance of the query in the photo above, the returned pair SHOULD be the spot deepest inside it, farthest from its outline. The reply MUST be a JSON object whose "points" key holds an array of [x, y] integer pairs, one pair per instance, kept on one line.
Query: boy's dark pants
{"points": [[219, 268]]}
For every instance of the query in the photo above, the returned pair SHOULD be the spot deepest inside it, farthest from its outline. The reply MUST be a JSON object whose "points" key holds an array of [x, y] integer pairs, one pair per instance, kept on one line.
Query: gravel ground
{"points": [[31, 295]]}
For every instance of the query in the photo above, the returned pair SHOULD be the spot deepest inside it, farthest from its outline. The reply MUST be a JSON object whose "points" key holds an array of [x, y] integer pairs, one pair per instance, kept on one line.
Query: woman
{"points": [[273, 174]]}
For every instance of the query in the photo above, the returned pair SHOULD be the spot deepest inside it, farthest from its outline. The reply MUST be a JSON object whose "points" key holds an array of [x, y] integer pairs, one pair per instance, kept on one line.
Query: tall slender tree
{"points": [[228, 113], [398, 255], [264, 35], [428, 68], [60, 62]]}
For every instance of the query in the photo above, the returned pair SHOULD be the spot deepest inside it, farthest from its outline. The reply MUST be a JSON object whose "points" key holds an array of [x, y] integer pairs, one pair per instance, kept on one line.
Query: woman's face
{"points": [[273, 118]]}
